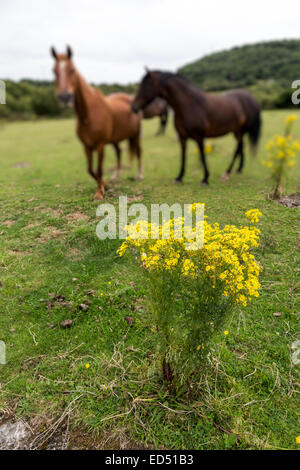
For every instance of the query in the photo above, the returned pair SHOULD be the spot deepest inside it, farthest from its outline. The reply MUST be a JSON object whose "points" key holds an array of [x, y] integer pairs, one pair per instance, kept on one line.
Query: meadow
{"points": [[95, 382]]}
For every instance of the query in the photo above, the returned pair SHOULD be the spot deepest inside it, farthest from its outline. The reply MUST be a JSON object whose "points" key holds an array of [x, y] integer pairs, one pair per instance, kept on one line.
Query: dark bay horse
{"points": [[158, 107], [100, 120], [199, 115]]}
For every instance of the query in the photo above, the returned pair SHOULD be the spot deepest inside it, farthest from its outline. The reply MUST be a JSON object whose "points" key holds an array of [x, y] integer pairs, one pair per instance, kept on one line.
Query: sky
{"points": [[113, 40]]}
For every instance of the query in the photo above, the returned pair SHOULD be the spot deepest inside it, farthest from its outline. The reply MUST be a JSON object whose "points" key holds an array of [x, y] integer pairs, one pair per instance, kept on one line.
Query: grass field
{"points": [[51, 262]]}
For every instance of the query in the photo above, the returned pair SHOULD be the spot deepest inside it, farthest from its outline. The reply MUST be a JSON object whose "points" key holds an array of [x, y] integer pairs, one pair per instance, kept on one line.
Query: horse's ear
{"points": [[53, 53], [69, 52], [146, 69]]}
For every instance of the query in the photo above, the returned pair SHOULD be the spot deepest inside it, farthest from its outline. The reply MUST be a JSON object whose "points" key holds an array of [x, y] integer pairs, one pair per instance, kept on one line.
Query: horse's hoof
{"points": [[225, 177], [177, 181], [139, 178], [98, 196], [238, 172], [204, 183]]}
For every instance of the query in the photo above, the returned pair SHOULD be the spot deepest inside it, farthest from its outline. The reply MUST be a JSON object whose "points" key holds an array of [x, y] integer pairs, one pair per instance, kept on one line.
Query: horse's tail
{"points": [[254, 131], [252, 111]]}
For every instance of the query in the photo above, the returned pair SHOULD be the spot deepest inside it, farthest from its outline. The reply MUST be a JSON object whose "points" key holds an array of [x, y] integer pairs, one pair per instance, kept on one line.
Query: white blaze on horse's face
{"points": [[62, 65], [64, 82]]}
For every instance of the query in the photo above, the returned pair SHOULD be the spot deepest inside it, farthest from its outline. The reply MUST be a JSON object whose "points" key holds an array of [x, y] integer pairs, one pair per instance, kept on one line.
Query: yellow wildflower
{"points": [[253, 215], [291, 118], [281, 153], [225, 256]]}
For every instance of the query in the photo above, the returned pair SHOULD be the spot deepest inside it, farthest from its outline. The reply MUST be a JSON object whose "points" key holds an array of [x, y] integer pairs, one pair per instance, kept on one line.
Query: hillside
{"points": [[274, 61]]}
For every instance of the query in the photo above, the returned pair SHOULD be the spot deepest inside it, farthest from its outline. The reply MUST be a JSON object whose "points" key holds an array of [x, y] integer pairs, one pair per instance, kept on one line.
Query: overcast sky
{"points": [[114, 39]]}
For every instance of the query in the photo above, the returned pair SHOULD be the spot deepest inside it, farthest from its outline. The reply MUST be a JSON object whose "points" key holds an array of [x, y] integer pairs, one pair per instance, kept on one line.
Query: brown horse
{"points": [[199, 114], [158, 107], [100, 120]]}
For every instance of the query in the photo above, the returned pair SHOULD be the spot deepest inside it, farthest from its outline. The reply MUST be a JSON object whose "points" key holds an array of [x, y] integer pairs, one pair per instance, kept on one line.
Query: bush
{"points": [[191, 293], [284, 99], [281, 154], [44, 103]]}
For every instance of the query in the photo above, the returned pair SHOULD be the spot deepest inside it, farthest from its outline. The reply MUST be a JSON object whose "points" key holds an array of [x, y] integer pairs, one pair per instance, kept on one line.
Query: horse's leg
{"points": [[163, 123], [183, 159], [116, 173], [101, 184], [241, 165], [160, 129], [226, 175], [89, 158], [165, 119], [203, 160], [138, 151]]}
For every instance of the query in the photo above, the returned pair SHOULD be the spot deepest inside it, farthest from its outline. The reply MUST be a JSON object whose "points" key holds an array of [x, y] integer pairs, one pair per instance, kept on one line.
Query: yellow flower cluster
{"points": [[290, 118], [253, 215], [281, 154], [289, 122], [208, 148], [225, 257]]}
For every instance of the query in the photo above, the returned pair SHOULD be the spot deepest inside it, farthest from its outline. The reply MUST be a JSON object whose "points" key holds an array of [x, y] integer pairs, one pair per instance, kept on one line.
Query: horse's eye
{"points": [[72, 71]]}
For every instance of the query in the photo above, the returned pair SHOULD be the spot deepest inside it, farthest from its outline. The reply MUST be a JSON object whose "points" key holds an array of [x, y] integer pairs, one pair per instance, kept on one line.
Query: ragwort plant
{"points": [[191, 293], [281, 155]]}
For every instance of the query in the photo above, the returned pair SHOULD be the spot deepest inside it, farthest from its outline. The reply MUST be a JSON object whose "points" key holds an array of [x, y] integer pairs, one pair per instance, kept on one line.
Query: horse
{"points": [[158, 107], [100, 120], [199, 114]]}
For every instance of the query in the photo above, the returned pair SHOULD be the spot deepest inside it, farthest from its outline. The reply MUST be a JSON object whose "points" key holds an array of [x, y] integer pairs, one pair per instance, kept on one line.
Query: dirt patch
{"points": [[19, 253], [74, 254], [32, 226], [49, 234], [49, 211], [21, 165], [291, 201], [8, 223], [135, 198], [53, 212], [77, 217]]}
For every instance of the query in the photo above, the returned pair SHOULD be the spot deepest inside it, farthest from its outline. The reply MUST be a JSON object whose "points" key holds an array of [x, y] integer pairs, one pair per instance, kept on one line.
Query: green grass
{"points": [[250, 397]]}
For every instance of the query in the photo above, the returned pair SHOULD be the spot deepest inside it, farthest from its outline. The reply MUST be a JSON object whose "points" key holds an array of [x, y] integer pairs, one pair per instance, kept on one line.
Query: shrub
{"points": [[281, 154], [191, 293], [44, 103]]}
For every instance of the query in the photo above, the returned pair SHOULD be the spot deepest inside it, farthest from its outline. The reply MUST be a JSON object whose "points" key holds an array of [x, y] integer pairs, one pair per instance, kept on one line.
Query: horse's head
{"points": [[149, 89], [64, 76]]}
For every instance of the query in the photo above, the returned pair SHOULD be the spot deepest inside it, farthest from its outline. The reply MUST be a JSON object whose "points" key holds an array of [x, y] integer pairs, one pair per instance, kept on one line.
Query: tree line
{"points": [[28, 98], [267, 69]]}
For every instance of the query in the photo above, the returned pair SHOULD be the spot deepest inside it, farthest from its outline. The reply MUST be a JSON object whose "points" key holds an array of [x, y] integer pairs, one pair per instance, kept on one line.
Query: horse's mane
{"points": [[177, 78]]}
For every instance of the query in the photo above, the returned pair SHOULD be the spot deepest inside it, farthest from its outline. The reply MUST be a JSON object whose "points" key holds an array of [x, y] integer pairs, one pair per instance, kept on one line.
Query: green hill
{"points": [[274, 62]]}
